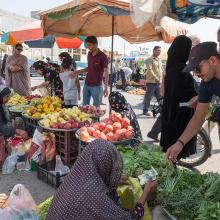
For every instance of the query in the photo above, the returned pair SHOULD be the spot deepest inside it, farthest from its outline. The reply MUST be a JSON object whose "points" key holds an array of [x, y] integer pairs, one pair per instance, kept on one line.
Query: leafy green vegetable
{"points": [[182, 204], [209, 210], [186, 195], [140, 159]]}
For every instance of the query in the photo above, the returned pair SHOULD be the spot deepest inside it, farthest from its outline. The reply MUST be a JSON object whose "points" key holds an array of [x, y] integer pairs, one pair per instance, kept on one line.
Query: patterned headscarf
{"points": [[85, 192], [119, 104]]}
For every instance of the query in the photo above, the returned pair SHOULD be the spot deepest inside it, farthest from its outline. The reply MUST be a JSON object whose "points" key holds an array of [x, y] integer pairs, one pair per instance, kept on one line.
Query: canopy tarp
{"points": [[31, 31], [8, 39], [47, 42], [191, 11], [94, 17], [68, 43]]}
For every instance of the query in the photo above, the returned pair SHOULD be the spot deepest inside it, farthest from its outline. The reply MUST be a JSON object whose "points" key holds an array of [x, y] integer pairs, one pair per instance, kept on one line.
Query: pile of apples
{"points": [[71, 118], [137, 92], [115, 128], [92, 110]]}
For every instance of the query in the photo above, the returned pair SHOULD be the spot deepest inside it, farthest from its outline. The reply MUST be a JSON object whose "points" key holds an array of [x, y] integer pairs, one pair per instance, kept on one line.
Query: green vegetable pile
{"points": [[186, 195], [43, 208]]}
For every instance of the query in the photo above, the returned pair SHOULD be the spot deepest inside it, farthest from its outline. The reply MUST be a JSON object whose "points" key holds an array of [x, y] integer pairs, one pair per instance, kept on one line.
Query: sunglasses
{"points": [[198, 69], [19, 49]]}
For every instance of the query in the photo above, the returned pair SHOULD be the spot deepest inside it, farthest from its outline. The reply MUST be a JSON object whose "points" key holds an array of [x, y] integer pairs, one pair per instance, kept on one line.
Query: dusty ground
{"points": [[40, 190]]}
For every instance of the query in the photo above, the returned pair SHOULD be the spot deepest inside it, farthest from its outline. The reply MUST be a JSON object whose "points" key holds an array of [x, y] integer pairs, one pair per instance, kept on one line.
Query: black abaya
{"points": [[179, 87]]}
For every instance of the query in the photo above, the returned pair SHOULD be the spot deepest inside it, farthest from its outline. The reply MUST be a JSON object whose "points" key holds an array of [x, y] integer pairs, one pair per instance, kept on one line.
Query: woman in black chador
{"points": [[179, 87]]}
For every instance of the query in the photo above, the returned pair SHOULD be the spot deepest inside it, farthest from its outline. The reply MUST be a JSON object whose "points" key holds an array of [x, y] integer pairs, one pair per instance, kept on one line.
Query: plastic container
{"points": [[44, 174], [21, 161]]}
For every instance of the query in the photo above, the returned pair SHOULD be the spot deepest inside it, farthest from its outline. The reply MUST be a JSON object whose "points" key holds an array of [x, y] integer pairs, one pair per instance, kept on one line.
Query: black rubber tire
{"points": [[207, 150]]}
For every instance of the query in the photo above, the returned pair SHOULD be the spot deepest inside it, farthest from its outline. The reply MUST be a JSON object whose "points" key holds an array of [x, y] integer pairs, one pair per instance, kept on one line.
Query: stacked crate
{"points": [[67, 145]]}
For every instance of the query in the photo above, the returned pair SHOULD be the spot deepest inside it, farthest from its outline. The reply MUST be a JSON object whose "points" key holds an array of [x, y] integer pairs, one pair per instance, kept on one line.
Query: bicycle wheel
{"points": [[203, 151]]}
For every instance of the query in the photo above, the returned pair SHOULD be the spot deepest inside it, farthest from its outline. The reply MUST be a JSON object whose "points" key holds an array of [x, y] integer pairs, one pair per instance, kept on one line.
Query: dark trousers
{"points": [[156, 129], [111, 80], [123, 79], [153, 89]]}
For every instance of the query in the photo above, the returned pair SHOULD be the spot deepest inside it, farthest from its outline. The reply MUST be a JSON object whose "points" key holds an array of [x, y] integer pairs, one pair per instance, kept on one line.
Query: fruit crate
{"points": [[30, 124], [67, 145], [44, 174]]}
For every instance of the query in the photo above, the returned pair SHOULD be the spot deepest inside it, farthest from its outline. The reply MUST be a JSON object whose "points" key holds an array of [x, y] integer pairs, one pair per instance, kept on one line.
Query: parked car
{"points": [[81, 65], [31, 69]]}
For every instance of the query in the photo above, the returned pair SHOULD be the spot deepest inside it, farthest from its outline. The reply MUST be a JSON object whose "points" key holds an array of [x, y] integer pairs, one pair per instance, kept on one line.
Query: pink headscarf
{"points": [[195, 40]]}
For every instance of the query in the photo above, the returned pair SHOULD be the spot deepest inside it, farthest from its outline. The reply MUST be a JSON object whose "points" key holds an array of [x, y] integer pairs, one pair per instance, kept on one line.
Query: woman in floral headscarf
{"points": [[88, 192], [51, 74]]}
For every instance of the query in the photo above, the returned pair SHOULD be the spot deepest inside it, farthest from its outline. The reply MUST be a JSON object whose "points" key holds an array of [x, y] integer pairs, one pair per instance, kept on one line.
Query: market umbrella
{"points": [[86, 17], [101, 18]]}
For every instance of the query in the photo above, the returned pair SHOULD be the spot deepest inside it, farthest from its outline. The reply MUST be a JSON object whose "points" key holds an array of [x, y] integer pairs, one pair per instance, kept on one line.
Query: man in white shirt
{"points": [[125, 72]]}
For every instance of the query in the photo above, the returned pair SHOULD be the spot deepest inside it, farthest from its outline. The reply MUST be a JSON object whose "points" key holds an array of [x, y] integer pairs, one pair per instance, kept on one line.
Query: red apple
{"points": [[90, 130], [128, 134], [116, 137], [102, 136], [117, 117], [116, 126], [109, 136], [54, 125], [109, 128], [96, 134], [96, 126], [125, 122], [84, 136], [83, 129], [102, 126], [130, 128], [68, 125]]}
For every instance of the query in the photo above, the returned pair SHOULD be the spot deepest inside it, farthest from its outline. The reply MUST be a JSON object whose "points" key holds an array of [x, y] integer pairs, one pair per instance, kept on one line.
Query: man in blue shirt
{"points": [[204, 60]]}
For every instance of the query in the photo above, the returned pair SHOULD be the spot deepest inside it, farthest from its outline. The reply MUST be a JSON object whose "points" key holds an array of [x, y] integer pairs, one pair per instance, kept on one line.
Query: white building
{"points": [[10, 21]]}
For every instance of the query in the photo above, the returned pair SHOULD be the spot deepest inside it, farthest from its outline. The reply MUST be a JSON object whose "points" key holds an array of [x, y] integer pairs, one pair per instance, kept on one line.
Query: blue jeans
{"points": [[94, 92], [153, 89]]}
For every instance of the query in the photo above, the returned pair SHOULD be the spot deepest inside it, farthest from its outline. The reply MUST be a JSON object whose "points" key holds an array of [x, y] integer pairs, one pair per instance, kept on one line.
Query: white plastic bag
{"points": [[9, 164], [37, 138], [21, 205], [59, 167]]}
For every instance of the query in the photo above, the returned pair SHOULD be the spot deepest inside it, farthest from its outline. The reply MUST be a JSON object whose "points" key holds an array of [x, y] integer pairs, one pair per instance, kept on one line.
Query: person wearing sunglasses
{"points": [[204, 61], [17, 76]]}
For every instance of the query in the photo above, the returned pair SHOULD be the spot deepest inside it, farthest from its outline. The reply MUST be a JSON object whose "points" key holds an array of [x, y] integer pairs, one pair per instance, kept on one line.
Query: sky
{"points": [[205, 28]]}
